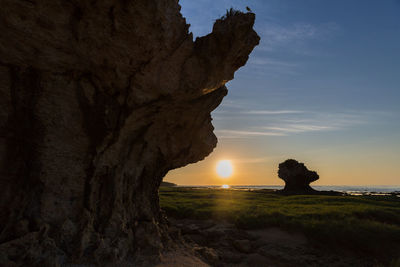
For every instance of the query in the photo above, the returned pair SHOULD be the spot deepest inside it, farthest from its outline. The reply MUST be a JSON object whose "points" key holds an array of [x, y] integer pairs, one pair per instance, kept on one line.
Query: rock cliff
{"points": [[98, 101]]}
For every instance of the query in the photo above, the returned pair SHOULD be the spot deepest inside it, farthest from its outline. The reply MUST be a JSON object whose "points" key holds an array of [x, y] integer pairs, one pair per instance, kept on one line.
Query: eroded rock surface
{"points": [[223, 244], [98, 101]]}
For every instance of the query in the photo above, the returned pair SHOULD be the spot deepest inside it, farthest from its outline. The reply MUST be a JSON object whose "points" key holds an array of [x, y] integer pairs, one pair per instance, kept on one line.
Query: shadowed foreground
{"points": [[268, 228]]}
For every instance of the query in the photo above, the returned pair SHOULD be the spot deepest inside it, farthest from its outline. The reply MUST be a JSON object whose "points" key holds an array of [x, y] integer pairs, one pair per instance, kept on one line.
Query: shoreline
{"points": [[353, 192]]}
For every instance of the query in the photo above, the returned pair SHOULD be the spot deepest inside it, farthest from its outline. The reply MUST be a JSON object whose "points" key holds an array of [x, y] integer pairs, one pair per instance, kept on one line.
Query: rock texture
{"points": [[98, 101], [296, 176], [223, 244]]}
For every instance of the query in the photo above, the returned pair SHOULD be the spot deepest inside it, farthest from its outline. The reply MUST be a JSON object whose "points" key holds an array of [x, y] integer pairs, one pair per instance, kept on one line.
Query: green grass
{"points": [[368, 225]]}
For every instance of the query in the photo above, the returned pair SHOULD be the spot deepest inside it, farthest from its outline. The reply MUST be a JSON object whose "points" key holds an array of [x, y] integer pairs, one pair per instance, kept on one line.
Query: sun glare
{"points": [[224, 168], [225, 186]]}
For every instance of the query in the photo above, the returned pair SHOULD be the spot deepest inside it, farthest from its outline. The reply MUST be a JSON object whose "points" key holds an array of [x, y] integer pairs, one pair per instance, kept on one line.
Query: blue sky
{"points": [[323, 87]]}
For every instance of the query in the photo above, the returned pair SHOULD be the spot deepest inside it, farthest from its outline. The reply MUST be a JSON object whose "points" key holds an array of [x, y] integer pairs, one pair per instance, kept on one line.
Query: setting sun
{"points": [[224, 168]]}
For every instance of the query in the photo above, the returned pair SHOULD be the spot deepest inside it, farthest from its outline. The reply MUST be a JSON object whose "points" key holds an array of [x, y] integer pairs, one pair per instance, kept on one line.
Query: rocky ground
{"points": [[222, 244]]}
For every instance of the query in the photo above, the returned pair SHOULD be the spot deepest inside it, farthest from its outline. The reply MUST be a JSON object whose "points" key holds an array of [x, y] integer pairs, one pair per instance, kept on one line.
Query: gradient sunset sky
{"points": [[323, 87]]}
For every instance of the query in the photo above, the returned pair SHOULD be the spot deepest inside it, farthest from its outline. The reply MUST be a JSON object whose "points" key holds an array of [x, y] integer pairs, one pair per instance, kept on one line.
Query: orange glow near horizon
{"points": [[252, 166]]}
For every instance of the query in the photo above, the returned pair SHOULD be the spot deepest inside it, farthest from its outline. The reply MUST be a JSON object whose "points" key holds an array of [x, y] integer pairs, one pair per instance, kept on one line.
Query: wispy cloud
{"points": [[251, 160], [239, 111], [299, 128], [271, 112], [245, 134], [269, 62], [277, 36], [264, 64], [294, 39], [280, 123], [232, 104]]}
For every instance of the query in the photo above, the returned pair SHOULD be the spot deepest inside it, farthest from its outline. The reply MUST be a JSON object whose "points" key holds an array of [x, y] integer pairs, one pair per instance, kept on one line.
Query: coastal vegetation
{"points": [[364, 225]]}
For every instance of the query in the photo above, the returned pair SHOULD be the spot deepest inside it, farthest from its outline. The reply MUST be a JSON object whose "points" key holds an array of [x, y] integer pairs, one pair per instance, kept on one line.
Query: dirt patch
{"points": [[278, 236]]}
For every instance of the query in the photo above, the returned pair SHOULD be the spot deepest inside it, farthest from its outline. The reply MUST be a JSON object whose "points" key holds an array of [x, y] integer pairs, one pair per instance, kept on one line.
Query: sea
{"points": [[351, 190]]}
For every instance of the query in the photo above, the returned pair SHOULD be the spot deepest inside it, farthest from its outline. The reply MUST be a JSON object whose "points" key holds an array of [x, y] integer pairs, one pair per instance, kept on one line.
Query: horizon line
{"points": [[369, 185]]}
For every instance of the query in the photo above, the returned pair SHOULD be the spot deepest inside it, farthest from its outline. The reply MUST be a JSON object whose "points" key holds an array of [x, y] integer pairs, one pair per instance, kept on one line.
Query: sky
{"points": [[323, 87]]}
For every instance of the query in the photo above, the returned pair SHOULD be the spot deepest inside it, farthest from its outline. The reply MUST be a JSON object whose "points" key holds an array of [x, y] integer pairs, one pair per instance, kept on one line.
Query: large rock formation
{"points": [[296, 176], [98, 101]]}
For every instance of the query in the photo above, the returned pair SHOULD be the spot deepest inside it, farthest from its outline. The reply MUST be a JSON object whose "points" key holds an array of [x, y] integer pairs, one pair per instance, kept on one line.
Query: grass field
{"points": [[364, 224]]}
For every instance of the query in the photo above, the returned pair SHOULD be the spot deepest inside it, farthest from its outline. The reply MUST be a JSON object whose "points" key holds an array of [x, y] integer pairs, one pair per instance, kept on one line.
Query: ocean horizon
{"points": [[349, 189]]}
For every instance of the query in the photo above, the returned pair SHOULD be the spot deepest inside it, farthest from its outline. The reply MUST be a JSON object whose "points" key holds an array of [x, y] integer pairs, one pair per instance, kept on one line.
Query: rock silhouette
{"points": [[296, 176], [99, 100]]}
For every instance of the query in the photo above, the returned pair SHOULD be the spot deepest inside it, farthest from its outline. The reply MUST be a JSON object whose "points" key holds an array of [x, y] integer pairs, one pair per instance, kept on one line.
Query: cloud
{"points": [[231, 104], [240, 111], [281, 123], [261, 64], [275, 36], [280, 46], [299, 128], [269, 62], [251, 160], [299, 31], [271, 112], [272, 131], [244, 134]]}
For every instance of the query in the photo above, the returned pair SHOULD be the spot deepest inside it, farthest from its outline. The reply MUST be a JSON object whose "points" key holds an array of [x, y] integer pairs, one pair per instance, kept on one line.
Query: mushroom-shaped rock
{"points": [[296, 176]]}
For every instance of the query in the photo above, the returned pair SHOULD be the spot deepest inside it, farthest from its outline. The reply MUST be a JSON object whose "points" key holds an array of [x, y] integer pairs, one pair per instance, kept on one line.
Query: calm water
{"points": [[353, 190]]}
